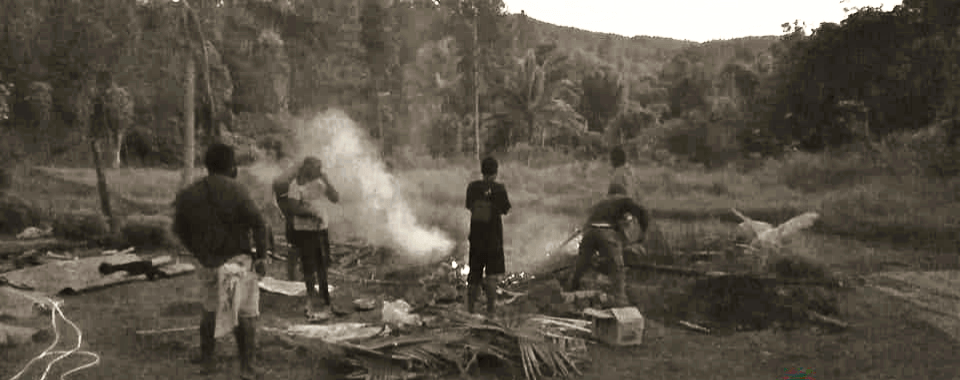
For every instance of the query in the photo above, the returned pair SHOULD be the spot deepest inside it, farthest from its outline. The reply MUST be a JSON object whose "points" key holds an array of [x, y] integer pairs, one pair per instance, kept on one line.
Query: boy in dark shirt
{"points": [[604, 233], [487, 201]]}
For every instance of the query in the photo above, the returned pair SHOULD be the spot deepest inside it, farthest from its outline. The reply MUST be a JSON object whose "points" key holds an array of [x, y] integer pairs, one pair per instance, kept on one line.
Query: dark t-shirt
{"points": [[496, 193], [611, 210], [214, 218]]}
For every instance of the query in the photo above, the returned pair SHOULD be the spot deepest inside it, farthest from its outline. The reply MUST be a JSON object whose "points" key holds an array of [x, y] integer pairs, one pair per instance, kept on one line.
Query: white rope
{"points": [[55, 311]]}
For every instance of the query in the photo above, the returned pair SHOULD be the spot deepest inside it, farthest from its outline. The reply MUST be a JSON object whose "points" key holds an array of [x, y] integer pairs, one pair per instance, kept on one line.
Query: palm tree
{"points": [[432, 81], [538, 101]]}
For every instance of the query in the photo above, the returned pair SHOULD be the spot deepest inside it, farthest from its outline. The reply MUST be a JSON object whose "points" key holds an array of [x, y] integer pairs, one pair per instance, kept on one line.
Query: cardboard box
{"points": [[619, 326]]}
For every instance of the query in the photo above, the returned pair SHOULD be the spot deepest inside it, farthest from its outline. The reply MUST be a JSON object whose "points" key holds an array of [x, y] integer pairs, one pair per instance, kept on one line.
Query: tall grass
{"points": [[878, 194]]}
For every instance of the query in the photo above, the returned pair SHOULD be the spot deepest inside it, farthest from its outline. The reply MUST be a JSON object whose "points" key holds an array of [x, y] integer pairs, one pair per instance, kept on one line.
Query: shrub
{"points": [[80, 225], [273, 146], [11, 147], [5, 180], [17, 213], [147, 231], [809, 172], [799, 267], [712, 144]]}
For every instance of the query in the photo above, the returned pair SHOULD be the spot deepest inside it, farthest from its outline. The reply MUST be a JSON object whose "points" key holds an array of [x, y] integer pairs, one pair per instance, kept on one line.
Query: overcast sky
{"points": [[695, 20]]}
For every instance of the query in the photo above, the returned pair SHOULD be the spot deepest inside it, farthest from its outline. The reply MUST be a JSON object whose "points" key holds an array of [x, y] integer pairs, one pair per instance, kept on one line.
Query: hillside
{"points": [[270, 62], [611, 47]]}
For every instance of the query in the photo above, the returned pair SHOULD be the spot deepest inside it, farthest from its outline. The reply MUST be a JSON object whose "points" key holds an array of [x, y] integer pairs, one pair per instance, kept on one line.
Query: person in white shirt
{"points": [[306, 227]]}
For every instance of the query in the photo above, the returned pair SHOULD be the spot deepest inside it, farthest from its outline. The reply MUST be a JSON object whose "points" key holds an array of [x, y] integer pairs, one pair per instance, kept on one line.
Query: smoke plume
{"points": [[371, 206]]}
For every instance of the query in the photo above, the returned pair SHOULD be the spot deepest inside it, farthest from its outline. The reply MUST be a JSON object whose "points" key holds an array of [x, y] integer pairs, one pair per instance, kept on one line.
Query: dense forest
{"points": [[455, 77]]}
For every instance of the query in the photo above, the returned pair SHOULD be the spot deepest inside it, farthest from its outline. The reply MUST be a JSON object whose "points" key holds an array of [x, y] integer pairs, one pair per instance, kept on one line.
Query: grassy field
{"points": [[871, 220], [692, 205]]}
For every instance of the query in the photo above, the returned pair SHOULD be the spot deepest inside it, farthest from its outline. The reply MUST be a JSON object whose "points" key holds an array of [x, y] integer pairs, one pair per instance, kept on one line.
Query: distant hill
{"points": [[642, 59], [717, 53], [652, 52], [657, 50]]}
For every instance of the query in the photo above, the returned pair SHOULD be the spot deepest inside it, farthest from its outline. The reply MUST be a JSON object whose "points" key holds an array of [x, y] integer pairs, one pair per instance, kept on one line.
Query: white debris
{"points": [[287, 288], [109, 252], [338, 332], [398, 313], [765, 234], [35, 233]]}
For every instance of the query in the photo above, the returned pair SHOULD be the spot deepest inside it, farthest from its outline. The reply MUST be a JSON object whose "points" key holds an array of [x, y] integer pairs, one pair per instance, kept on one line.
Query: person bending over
{"points": [[603, 233]]}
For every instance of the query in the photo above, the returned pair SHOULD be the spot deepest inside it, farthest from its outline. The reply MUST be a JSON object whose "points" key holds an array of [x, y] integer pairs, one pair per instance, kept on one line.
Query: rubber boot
{"points": [[246, 335], [473, 293], [490, 289], [620, 288], [312, 295], [293, 260], [324, 294], [208, 324], [325, 260]]}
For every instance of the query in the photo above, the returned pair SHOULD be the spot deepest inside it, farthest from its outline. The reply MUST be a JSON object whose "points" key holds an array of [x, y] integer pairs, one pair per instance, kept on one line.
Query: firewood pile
{"points": [[454, 342], [537, 346]]}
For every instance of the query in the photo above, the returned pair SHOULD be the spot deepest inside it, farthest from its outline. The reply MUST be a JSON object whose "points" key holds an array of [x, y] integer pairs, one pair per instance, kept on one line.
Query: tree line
{"points": [[458, 77]]}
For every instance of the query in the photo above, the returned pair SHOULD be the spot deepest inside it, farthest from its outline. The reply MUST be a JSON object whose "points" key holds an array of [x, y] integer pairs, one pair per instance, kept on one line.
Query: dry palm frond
{"points": [[563, 325], [480, 346], [374, 369], [540, 345], [536, 352], [431, 355]]}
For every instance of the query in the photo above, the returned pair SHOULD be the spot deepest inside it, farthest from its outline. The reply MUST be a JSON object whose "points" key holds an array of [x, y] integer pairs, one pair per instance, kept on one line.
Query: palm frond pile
{"points": [[541, 346]]}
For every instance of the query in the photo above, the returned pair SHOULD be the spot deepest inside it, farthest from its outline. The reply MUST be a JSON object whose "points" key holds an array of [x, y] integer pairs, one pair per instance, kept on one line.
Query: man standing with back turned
{"points": [[487, 201], [214, 219]]}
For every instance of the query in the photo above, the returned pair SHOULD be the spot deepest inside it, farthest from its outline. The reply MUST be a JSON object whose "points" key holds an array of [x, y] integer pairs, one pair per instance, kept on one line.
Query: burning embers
{"points": [[462, 270]]}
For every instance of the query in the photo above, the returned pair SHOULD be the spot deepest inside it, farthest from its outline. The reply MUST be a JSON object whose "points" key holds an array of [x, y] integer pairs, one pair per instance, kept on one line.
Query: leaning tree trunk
{"points": [[376, 102], [102, 185], [543, 136], [189, 130], [213, 130], [476, 82], [458, 146], [118, 146]]}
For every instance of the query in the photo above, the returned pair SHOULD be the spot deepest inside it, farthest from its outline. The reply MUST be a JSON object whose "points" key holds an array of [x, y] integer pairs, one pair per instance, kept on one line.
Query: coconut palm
{"points": [[538, 101]]}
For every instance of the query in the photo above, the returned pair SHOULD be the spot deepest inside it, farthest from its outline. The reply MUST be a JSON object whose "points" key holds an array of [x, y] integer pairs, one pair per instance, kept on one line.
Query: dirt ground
{"points": [[886, 341]]}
